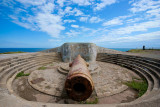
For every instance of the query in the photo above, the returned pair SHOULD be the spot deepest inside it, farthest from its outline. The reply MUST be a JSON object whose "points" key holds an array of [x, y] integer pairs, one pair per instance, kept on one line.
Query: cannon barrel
{"points": [[79, 84]]}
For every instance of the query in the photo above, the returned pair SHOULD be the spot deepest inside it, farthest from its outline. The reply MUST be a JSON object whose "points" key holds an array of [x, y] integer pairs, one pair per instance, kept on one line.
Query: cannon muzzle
{"points": [[79, 84]]}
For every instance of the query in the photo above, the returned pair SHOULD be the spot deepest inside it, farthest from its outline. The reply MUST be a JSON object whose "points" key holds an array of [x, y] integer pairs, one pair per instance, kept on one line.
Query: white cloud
{"points": [[49, 23], [32, 2], [69, 21], [154, 12], [77, 12], [82, 2], [75, 26], [7, 3], [84, 29], [144, 26], [47, 8], [45, 22], [143, 5], [61, 2], [95, 19], [133, 20], [103, 4], [83, 19], [24, 24], [72, 33], [115, 21], [27, 22], [41, 18], [118, 20], [69, 11], [133, 38]]}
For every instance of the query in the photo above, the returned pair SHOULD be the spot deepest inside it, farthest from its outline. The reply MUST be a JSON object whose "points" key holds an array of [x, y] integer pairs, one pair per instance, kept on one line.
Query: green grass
{"points": [[140, 86], [90, 102], [12, 52], [141, 50], [20, 74], [42, 68], [51, 64], [136, 50]]}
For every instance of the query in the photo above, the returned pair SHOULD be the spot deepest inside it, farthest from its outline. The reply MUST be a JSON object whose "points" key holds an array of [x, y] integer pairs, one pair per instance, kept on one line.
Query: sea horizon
{"points": [[2, 50]]}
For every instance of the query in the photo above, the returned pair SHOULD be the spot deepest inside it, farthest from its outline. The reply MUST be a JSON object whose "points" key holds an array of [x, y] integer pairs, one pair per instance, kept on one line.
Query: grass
{"points": [[141, 50], [90, 102], [42, 68], [20, 74], [140, 86], [12, 52], [51, 64]]}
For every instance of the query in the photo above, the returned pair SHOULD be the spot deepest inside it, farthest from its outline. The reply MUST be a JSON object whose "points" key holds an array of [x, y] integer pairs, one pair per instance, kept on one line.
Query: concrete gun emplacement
{"points": [[79, 84]]}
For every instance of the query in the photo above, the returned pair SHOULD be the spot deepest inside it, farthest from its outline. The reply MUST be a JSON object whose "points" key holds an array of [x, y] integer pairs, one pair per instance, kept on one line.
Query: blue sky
{"points": [[108, 23]]}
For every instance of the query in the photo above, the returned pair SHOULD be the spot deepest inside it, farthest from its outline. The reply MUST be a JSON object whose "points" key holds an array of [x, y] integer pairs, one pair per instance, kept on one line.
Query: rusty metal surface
{"points": [[79, 84]]}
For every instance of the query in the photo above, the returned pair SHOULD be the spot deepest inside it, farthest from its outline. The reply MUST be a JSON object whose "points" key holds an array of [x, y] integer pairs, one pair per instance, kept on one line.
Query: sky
{"points": [[107, 23]]}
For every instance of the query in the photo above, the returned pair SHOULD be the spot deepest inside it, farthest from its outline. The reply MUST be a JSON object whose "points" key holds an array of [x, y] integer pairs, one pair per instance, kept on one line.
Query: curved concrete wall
{"points": [[148, 68]]}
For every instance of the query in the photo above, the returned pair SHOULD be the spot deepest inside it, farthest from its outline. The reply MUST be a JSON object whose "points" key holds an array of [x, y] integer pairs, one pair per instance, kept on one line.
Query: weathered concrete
{"points": [[153, 54], [7, 56], [69, 51], [144, 66], [52, 83], [107, 82]]}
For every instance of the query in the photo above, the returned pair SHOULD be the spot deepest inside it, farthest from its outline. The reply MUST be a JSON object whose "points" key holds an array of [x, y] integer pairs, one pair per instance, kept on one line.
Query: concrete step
{"points": [[149, 70], [154, 74], [25, 60], [144, 59], [143, 62], [62, 71], [146, 70], [137, 71], [149, 80], [21, 65], [22, 68], [147, 76], [27, 57]]}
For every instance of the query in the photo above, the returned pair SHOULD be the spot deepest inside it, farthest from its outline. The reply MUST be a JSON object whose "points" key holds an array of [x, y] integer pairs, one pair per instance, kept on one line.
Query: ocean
{"points": [[2, 50]]}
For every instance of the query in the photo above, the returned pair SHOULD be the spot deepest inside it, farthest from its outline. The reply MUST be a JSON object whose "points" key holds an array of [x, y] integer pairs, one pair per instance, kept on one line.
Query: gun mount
{"points": [[79, 84]]}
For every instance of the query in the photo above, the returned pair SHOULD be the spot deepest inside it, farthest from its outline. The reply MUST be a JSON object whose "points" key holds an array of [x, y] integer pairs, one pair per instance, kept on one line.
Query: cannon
{"points": [[79, 84]]}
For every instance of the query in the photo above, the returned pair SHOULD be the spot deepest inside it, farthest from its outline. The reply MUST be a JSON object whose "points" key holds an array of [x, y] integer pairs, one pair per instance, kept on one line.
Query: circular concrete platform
{"points": [[47, 81], [107, 82]]}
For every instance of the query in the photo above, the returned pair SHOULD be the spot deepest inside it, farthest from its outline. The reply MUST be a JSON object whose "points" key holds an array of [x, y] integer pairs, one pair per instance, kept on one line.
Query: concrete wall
{"points": [[69, 51], [88, 51]]}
